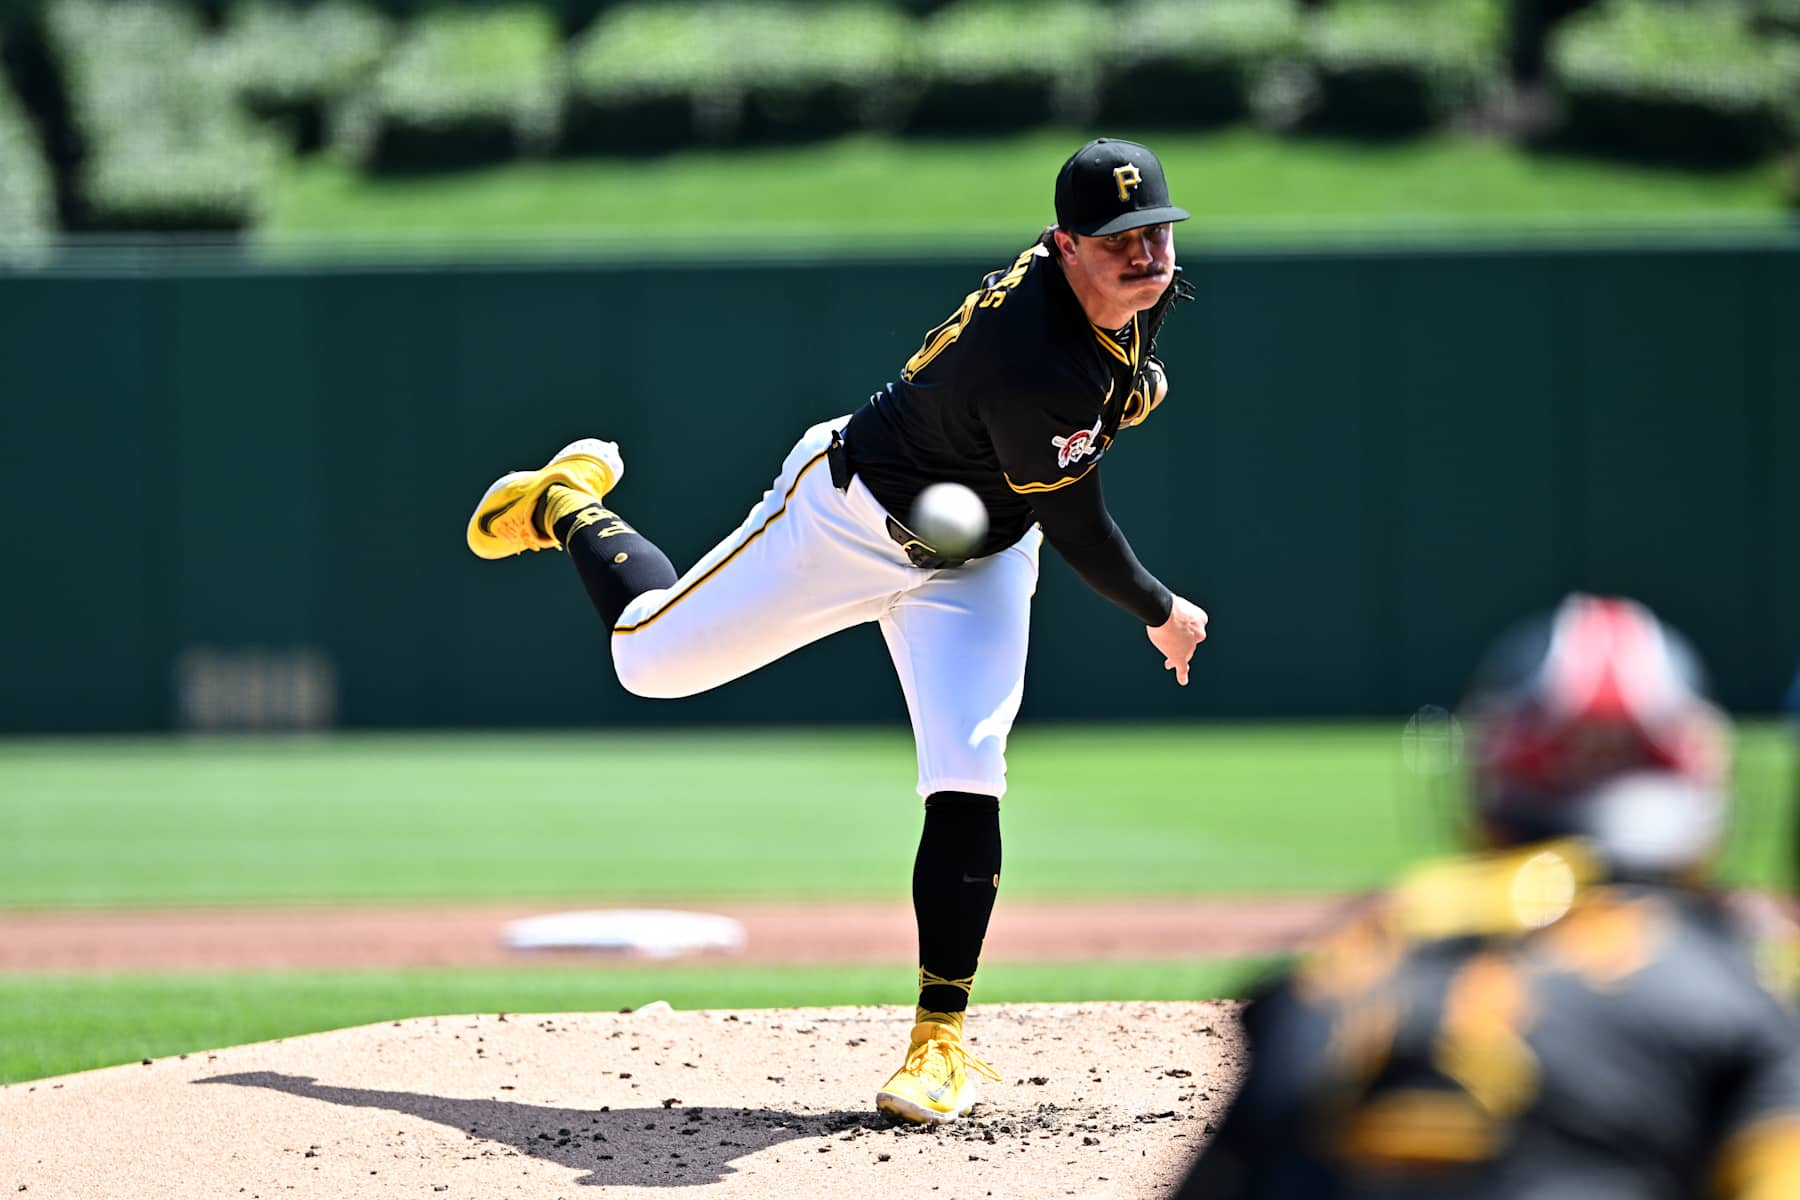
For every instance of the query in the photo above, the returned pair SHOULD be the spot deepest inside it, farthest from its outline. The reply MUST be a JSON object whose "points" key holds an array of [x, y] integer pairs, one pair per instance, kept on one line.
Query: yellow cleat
{"points": [[934, 1083], [506, 522]]}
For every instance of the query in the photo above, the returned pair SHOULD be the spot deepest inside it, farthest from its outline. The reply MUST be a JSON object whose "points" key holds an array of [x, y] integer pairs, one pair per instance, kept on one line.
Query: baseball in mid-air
{"points": [[951, 518]]}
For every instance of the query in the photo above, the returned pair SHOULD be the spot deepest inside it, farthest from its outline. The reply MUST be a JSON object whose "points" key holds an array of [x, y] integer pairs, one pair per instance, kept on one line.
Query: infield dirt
{"points": [[825, 932], [1106, 1100]]}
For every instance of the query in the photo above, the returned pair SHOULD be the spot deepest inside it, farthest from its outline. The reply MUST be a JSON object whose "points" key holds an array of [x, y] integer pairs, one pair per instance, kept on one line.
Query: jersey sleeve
{"points": [[1048, 432], [1076, 522], [1046, 428]]}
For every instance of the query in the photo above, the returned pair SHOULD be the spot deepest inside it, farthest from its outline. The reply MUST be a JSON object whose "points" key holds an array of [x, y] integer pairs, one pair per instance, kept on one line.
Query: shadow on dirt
{"points": [[671, 1146]]}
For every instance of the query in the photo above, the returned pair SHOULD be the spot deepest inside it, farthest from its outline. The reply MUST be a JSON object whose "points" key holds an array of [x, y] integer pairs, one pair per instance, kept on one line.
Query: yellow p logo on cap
{"points": [[1127, 177]]}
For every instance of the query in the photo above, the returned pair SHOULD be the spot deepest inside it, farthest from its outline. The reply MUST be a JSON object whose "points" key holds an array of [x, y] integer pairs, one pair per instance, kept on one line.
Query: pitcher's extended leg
{"points": [[617, 564], [803, 564]]}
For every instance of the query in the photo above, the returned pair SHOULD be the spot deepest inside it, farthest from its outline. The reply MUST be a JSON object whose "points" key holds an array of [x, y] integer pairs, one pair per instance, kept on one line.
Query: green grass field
{"points": [[1111, 811], [55, 1024], [1093, 811], [873, 193]]}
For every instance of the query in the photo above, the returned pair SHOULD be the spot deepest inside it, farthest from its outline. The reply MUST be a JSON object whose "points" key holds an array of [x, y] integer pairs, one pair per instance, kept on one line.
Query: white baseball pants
{"points": [[810, 560]]}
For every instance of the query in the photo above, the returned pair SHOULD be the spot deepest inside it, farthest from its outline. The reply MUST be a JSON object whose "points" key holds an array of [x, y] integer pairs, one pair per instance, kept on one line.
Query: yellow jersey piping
{"points": [[1113, 348], [719, 566], [1025, 489]]}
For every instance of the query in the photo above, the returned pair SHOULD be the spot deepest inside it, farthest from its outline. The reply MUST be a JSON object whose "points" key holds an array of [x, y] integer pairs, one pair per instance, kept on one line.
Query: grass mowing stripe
{"points": [[765, 814], [766, 201], [57, 1024]]}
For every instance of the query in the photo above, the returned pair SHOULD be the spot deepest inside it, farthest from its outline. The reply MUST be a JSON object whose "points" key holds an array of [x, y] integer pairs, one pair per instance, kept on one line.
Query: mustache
{"points": [[1156, 271]]}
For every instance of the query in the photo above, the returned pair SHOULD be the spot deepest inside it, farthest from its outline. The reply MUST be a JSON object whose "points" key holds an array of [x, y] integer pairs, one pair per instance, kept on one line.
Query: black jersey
{"points": [[1019, 396], [1624, 1051]]}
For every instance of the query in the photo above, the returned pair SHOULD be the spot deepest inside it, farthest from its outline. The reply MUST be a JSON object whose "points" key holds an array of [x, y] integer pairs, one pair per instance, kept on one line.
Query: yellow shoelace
{"points": [[915, 1058]]}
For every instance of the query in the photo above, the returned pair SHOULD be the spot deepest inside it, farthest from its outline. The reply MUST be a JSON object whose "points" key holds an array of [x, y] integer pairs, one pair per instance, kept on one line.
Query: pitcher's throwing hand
{"points": [[1178, 636]]}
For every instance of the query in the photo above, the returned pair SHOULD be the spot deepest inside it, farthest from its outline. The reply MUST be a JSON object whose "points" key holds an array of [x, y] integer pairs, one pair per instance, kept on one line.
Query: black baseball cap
{"points": [[1109, 186]]}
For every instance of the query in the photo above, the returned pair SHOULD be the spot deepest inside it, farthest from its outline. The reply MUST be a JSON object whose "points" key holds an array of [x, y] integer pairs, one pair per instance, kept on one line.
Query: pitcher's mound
{"points": [[1099, 1100]]}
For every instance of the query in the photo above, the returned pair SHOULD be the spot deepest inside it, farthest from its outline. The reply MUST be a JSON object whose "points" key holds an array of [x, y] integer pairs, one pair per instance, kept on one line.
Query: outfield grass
{"points": [[56, 1024], [1093, 811], [1096, 811], [871, 192]]}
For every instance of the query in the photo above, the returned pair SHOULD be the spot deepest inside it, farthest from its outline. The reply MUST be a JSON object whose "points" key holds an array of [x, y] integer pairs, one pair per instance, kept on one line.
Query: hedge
{"points": [[462, 87], [27, 211], [829, 70], [295, 66], [162, 146], [1178, 63], [995, 65], [1689, 84], [1780, 18], [650, 77], [1387, 67], [570, 15]]}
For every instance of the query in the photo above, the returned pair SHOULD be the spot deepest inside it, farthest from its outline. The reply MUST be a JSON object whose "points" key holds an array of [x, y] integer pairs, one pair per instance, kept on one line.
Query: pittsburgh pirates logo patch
{"points": [[1077, 446], [1127, 178]]}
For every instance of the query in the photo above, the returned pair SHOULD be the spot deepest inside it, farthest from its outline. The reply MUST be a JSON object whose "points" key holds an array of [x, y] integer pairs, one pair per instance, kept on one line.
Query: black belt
{"points": [[918, 551]]}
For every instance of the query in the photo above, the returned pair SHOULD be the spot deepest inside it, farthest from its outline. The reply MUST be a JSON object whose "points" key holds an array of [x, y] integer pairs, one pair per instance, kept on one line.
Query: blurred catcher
{"points": [[1567, 1015], [1016, 396]]}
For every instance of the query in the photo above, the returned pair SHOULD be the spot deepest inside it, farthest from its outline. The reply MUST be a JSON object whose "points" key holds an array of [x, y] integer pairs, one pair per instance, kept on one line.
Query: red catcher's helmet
{"points": [[1594, 722]]}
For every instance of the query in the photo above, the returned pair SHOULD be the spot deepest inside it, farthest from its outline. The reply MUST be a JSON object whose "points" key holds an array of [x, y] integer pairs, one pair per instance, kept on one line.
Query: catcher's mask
{"points": [[1594, 722]]}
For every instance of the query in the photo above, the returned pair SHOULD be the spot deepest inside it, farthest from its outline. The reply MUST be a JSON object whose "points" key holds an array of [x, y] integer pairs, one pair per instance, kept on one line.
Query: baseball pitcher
{"points": [[1018, 395]]}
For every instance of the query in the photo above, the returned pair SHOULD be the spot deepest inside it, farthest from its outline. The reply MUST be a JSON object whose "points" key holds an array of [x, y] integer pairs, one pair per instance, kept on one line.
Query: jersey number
{"points": [[992, 294]]}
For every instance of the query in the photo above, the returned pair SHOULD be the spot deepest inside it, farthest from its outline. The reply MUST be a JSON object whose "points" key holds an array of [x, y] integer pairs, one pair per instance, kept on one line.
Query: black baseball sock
{"points": [[955, 878], [617, 564]]}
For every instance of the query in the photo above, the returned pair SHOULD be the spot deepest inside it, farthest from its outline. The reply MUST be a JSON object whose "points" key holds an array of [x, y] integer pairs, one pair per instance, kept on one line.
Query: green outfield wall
{"points": [[237, 494]]}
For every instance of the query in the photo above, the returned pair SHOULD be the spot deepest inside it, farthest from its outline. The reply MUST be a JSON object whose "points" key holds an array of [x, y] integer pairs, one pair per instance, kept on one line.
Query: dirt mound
{"points": [[1099, 1100]]}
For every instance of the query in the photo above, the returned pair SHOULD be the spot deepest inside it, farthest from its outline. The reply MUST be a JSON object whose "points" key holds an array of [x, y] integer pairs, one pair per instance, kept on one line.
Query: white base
{"points": [[652, 933]]}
